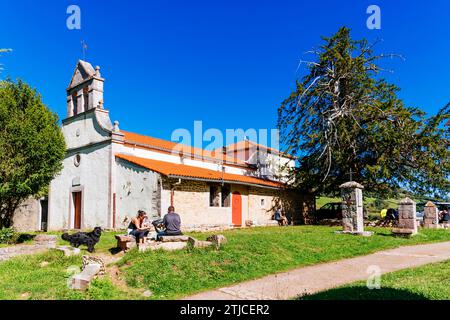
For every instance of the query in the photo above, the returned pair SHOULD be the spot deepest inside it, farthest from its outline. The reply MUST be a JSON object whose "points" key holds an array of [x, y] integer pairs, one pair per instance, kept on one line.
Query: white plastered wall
{"points": [[136, 189]]}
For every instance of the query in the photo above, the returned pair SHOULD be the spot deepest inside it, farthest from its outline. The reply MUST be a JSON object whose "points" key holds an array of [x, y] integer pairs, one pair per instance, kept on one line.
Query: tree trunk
{"points": [[6, 215]]}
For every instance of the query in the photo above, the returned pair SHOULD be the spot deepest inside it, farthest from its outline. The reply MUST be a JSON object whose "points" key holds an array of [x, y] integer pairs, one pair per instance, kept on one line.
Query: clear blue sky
{"points": [[228, 63]]}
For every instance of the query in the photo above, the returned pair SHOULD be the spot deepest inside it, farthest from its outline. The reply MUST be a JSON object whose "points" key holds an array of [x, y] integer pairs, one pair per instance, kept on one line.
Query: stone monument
{"points": [[352, 209], [407, 222], [431, 216]]}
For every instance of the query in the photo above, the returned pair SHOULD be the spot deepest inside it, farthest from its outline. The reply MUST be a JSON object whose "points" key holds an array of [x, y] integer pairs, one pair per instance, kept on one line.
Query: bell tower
{"points": [[85, 90]]}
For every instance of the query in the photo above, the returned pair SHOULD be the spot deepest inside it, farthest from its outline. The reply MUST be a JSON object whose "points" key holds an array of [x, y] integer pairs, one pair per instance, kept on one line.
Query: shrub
{"points": [[8, 235]]}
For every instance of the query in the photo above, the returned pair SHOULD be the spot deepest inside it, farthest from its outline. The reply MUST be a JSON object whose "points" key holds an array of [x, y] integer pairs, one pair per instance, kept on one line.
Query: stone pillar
{"points": [[407, 215], [431, 216], [352, 208]]}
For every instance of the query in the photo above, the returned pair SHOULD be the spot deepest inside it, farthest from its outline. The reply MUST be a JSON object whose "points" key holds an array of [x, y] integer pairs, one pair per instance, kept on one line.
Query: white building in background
{"points": [[109, 174]]}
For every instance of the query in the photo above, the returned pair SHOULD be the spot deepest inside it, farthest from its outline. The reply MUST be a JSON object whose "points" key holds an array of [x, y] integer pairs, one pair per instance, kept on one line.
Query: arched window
{"points": [[74, 104], [86, 98]]}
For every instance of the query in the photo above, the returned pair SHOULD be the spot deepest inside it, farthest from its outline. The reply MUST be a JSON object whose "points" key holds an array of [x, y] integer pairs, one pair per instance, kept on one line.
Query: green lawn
{"points": [[253, 253], [249, 254], [321, 201], [108, 242], [27, 278], [430, 282]]}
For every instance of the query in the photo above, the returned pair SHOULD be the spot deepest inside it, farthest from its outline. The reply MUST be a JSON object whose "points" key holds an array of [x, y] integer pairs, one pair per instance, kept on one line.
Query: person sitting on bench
{"points": [[280, 218], [137, 227], [172, 224]]}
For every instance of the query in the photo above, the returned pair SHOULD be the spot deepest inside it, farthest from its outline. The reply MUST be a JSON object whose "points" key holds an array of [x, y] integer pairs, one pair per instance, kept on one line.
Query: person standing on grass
{"points": [[172, 224]]}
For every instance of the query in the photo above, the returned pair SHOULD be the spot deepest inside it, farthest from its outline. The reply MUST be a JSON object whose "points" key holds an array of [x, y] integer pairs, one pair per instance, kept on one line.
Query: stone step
{"points": [[168, 246], [199, 244], [82, 280], [69, 251], [174, 239]]}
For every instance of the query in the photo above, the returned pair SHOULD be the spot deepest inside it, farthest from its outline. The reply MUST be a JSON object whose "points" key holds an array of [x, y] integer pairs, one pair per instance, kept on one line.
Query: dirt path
{"points": [[116, 276], [7, 253], [312, 279]]}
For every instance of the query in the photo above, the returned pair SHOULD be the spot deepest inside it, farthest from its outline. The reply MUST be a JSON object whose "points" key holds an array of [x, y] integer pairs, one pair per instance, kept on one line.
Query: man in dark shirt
{"points": [[172, 224]]}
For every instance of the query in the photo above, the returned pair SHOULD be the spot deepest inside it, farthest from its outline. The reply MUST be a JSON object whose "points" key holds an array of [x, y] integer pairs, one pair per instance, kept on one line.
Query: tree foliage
{"points": [[31, 146], [344, 117]]}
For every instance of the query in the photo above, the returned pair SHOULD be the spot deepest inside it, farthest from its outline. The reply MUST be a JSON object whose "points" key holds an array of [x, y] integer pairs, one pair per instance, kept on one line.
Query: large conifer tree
{"points": [[343, 117]]}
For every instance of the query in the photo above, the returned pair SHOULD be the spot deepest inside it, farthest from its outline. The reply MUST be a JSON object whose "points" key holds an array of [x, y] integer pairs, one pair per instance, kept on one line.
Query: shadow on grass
{"points": [[363, 293], [24, 237], [114, 250]]}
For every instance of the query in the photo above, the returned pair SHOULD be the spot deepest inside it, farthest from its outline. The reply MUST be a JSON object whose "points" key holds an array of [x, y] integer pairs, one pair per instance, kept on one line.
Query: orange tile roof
{"points": [[247, 144], [184, 171], [170, 146]]}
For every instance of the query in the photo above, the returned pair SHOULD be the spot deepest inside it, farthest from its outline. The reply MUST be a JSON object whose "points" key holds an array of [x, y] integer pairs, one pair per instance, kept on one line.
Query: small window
{"points": [[263, 203], [77, 160], [214, 196], [226, 196]]}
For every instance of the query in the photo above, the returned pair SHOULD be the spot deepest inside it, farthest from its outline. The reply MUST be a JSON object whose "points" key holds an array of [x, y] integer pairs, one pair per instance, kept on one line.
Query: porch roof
{"points": [[174, 170]]}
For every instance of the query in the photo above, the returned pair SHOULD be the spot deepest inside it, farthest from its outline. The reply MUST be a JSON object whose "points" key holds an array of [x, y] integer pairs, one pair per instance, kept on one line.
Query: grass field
{"points": [[389, 203], [427, 282], [249, 254], [372, 205]]}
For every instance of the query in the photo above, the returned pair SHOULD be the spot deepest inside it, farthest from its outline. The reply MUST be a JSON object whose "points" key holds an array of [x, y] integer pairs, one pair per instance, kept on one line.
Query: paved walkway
{"points": [[324, 276]]}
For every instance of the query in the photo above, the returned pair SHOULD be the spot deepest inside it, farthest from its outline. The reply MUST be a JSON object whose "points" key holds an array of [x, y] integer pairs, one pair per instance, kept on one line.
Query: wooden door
{"points": [[44, 215], [236, 218], [77, 210]]}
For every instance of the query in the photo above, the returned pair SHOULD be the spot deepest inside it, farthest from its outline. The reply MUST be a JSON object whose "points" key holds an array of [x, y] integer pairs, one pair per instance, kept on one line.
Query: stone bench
{"points": [[125, 242], [166, 246], [174, 238]]}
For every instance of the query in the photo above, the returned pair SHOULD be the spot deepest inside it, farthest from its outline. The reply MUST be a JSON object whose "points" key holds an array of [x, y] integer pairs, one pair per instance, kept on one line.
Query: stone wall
{"points": [[262, 203], [298, 205], [294, 204], [191, 202], [27, 216]]}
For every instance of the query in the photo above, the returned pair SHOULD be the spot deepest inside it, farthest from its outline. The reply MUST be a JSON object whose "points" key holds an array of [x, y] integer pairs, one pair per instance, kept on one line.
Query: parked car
{"points": [[331, 210], [420, 206], [443, 205]]}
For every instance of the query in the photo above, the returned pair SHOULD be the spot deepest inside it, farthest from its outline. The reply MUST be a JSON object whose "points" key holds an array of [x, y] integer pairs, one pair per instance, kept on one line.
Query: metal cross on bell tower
{"points": [[350, 175], [84, 48]]}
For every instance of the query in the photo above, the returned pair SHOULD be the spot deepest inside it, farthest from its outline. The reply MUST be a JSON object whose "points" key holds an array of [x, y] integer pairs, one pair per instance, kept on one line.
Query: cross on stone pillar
{"points": [[352, 209], [350, 173]]}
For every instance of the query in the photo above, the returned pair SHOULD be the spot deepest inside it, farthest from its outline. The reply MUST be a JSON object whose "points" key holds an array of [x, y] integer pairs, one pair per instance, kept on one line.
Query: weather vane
{"points": [[84, 49]]}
